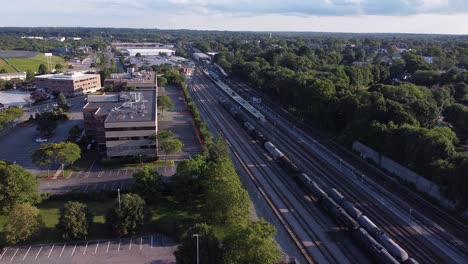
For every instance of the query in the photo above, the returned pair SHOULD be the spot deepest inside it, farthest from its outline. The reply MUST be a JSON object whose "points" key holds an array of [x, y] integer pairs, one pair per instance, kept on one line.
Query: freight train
{"points": [[382, 248]]}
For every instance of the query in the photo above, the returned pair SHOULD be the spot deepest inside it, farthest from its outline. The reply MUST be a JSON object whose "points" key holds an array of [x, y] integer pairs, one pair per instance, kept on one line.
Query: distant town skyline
{"points": [[360, 16]]}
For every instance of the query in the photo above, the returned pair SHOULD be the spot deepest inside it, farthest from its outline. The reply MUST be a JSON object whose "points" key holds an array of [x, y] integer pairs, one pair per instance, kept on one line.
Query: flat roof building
{"points": [[13, 75], [123, 124], [71, 83], [147, 51], [140, 80]]}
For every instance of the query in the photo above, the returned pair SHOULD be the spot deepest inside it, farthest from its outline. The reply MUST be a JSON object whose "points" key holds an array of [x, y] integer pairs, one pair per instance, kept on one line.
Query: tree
{"points": [[226, 201], [148, 183], [164, 102], [46, 123], [186, 182], [171, 146], [254, 244], [75, 132], [128, 217], [62, 101], [42, 70], [23, 222], [29, 75], [75, 220], [3, 70], [58, 68], [161, 136], [208, 245], [10, 114], [162, 81], [63, 153], [17, 185], [218, 150]]}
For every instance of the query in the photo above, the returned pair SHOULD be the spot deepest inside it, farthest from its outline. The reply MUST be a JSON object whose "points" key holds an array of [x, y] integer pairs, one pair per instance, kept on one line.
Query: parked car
{"points": [[40, 140]]}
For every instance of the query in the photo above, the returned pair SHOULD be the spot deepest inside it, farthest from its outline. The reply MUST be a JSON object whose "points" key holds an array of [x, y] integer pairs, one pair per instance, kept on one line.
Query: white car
{"points": [[40, 140]]}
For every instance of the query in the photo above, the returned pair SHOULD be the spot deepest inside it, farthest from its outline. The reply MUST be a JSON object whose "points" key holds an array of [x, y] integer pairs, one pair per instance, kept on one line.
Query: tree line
{"points": [[397, 106]]}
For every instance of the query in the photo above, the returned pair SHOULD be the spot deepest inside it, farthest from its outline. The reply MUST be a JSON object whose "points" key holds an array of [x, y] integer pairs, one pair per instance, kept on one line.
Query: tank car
{"points": [[373, 247], [343, 202], [273, 151]]}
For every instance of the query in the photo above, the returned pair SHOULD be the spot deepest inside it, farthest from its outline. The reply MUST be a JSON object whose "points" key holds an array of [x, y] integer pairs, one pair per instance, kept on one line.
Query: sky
{"points": [[380, 16]]}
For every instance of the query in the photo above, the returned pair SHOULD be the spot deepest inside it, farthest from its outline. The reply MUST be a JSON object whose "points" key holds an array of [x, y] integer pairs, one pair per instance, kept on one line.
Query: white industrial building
{"points": [[147, 52], [13, 75]]}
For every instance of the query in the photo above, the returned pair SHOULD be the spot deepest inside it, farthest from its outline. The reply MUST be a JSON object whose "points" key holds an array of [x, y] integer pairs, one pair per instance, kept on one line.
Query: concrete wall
{"points": [[421, 183]]}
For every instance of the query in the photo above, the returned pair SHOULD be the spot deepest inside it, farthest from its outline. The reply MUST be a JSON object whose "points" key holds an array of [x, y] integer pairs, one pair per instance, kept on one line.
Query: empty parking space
{"points": [[100, 251]]}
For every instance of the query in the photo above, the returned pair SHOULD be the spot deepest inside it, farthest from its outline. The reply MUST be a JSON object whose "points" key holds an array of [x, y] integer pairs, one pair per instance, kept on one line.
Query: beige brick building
{"points": [[123, 124], [72, 83]]}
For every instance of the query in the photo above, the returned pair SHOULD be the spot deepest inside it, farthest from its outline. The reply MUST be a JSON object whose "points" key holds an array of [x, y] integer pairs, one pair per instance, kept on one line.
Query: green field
{"points": [[34, 62], [4, 65]]}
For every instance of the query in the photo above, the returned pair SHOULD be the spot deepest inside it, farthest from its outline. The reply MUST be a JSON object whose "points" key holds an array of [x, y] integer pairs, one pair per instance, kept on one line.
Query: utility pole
{"points": [[118, 196], [198, 249]]}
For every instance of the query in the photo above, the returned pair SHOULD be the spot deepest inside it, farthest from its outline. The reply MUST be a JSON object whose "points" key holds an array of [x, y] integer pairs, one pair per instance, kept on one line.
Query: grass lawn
{"points": [[154, 164], [34, 62], [164, 217], [4, 65]]}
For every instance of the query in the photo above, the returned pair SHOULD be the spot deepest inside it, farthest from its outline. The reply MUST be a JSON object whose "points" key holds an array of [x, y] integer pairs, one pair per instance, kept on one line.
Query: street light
{"points": [[198, 250]]}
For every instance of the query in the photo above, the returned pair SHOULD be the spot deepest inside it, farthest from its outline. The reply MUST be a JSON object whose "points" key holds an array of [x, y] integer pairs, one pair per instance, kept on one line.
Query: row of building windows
{"points": [[121, 148], [130, 128], [126, 138]]}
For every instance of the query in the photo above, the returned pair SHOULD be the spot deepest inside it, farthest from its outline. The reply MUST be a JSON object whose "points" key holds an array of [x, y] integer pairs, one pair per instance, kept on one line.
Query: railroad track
{"points": [[442, 229], [416, 245], [267, 180], [445, 219]]}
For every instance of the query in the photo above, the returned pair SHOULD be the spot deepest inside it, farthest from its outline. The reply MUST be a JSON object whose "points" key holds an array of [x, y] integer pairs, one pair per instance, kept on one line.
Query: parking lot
{"points": [[96, 180], [146, 249]]}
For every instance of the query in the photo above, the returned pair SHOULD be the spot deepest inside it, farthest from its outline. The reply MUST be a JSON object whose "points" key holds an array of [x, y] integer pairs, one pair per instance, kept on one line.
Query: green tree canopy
{"points": [[17, 185], [75, 220], [129, 217], [148, 183], [23, 222], [42, 70], [254, 244], [164, 103], [171, 146]]}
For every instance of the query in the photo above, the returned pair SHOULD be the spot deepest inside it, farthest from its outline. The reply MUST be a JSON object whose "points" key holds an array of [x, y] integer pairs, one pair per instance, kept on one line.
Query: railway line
{"points": [[423, 209], [432, 218], [418, 247], [295, 212]]}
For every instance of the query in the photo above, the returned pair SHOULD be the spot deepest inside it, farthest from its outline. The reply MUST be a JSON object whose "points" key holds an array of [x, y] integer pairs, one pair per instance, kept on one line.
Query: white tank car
{"points": [[274, 152]]}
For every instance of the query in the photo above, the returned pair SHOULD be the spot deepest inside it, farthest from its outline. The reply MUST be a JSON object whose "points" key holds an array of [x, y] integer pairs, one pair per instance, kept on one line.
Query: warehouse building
{"points": [[141, 79], [147, 51], [122, 124], [71, 83]]}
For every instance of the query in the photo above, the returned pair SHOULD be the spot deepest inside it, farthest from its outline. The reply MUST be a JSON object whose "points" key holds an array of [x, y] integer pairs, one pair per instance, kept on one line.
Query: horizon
{"points": [[446, 17]]}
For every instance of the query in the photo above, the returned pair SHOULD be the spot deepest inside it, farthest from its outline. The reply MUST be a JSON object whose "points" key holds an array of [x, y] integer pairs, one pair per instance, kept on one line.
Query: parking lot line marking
{"points": [[151, 241], [126, 170], [108, 243], [73, 252], [85, 248], [50, 252], [121, 185], [100, 174], [3, 253], [104, 187], [62, 250], [118, 249], [95, 251], [118, 173], [141, 242], [38, 252], [110, 173], [25, 255], [86, 188], [112, 186], [130, 246], [12, 257]]}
